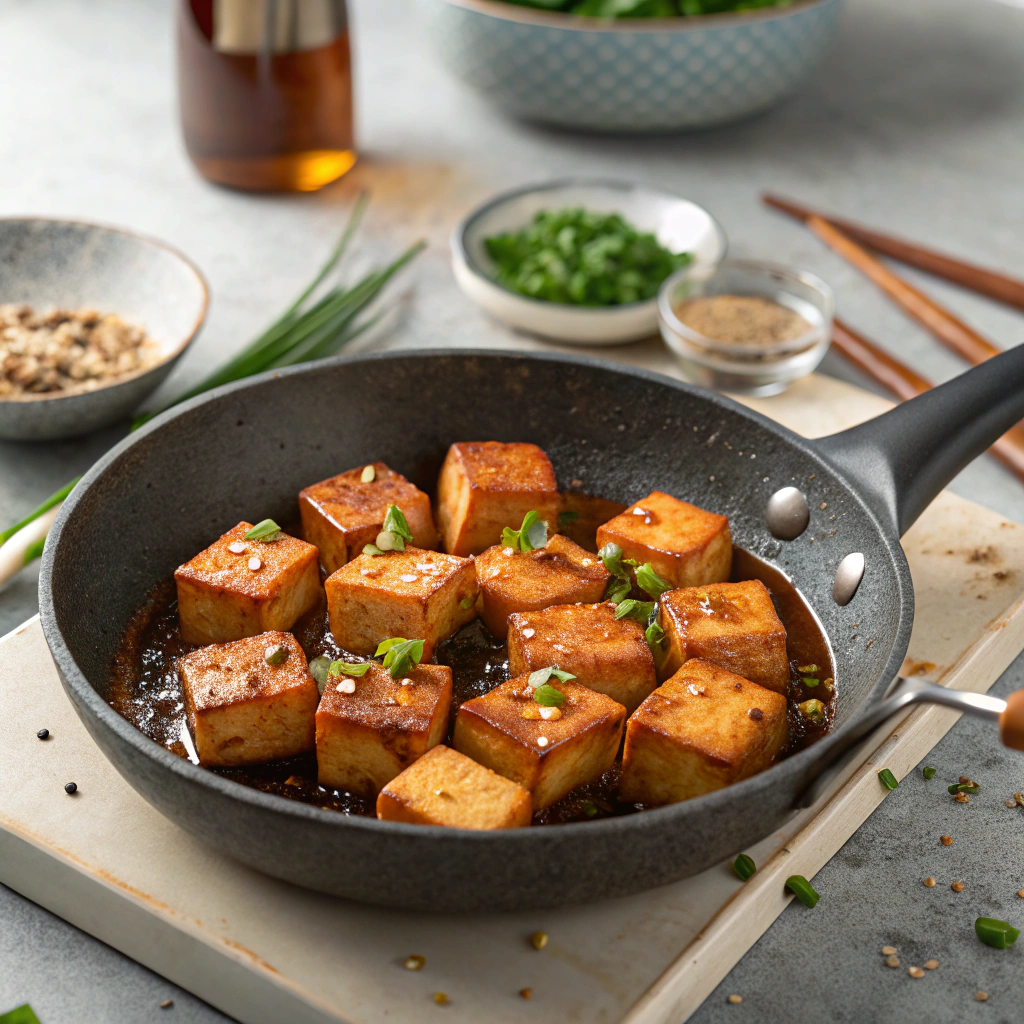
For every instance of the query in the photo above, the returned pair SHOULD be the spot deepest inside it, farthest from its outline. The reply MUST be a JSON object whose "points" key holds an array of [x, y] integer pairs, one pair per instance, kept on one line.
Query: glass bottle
{"points": [[265, 91]]}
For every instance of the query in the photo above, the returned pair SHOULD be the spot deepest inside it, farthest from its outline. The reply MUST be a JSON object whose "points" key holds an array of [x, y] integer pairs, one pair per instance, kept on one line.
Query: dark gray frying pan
{"points": [[247, 450]]}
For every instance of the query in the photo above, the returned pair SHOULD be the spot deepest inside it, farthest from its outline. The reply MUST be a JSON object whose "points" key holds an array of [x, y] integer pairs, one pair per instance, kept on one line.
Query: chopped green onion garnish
{"points": [[547, 695], [813, 710], [887, 779], [995, 933], [400, 655], [744, 867], [639, 610], [265, 531], [20, 1014], [567, 518], [339, 668], [275, 655], [650, 582], [542, 675], [810, 681], [533, 534], [621, 583], [962, 787], [467, 602], [802, 890], [655, 637], [319, 669], [807, 669], [590, 809], [367, 475], [395, 533], [372, 549], [929, 773]]}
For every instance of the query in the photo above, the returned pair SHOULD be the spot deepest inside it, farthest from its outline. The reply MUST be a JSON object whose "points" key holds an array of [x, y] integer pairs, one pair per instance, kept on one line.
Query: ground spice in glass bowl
{"points": [[748, 327], [68, 351]]}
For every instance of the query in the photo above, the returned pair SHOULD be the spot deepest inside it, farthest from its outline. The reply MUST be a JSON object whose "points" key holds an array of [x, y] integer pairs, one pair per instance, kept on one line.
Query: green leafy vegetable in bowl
{"points": [[648, 8], [582, 258]]}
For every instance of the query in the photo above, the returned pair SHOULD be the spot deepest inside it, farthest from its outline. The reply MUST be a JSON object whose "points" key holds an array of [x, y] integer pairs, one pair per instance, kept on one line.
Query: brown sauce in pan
{"points": [[145, 689]]}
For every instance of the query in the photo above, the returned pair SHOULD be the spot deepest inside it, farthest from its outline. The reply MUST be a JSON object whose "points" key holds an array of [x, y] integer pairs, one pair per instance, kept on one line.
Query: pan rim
{"points": [[84, 694]]}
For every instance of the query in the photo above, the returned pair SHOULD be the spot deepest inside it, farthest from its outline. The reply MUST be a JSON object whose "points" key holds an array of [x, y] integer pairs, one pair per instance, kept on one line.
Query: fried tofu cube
{"points": [[609, 656], [549, 751], [684, 544], [485, 486], [582, 514], [238, 588], [343, 514], [416, 594], [243, 710], [732, 625], [702, 730], [447, 788], [561, 572], [366, 737]]}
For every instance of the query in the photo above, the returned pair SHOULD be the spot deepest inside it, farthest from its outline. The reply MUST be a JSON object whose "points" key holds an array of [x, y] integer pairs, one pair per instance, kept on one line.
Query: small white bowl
{"points": [[677, 223]]}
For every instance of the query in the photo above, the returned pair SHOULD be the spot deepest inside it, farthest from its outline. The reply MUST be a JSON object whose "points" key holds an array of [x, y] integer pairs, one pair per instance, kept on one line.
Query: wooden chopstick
{"points": [[905, 383], [952, 332], [1000, 287]]}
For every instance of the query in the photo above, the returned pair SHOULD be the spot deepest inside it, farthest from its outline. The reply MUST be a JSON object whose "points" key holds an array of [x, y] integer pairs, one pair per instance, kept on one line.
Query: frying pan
{"points": [[246, 450]]}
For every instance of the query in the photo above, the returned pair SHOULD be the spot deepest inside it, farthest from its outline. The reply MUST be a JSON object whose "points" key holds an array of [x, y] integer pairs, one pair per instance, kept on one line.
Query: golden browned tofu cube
{"points": [[684, 544], [345, 513], [447, 788], [485, 486], [561, 572], [704, 729], [603, 654], [371, 728], [732, 625], [416, 594], [238, 588], [241, 708], [548, 750]]}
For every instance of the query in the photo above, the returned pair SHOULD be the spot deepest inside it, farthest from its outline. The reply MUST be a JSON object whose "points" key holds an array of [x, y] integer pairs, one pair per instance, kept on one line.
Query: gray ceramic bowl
{"points": [[69, 265]]}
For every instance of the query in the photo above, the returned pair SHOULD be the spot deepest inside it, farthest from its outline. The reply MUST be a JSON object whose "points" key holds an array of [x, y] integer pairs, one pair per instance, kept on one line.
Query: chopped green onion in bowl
{"points": [[580, 257]]}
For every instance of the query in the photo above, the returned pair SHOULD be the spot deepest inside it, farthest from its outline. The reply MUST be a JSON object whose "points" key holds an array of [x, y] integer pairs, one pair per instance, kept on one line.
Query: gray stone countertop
{"points": [[912, 124]]}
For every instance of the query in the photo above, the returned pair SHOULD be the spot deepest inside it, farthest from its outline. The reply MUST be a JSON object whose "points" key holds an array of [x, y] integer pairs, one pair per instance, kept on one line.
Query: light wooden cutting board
{"points": [[266, 952]]}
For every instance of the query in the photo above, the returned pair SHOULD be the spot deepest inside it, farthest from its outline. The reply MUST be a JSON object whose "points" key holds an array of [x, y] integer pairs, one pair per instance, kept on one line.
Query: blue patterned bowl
{"points": [[641, 75]]}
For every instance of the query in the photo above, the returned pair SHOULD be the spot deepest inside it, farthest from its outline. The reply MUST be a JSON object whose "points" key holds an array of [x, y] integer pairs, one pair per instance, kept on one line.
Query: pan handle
{"points": [[903, 458]]}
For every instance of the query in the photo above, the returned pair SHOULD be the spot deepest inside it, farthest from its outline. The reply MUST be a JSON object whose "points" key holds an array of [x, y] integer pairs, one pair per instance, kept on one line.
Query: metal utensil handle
{"points": [[1008, 713]]}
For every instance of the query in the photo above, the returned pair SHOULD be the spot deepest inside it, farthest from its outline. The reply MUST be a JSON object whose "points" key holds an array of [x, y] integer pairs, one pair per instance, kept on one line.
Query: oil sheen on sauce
{"points": [[145, 689]]}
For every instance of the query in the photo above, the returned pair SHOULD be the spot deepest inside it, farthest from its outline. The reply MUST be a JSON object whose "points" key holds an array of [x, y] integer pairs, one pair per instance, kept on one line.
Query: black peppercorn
{"points": [[43, 734], [71, 788]]}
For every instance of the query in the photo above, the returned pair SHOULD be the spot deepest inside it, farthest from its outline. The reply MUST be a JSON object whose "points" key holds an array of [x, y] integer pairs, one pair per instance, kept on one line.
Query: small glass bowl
{"points": [[746, 369]]}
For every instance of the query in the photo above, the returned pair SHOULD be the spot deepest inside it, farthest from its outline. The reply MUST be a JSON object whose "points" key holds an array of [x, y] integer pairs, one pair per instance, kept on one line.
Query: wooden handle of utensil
{"points": [[1011, 722], [950, 330], [968, 275], [881, 367]]}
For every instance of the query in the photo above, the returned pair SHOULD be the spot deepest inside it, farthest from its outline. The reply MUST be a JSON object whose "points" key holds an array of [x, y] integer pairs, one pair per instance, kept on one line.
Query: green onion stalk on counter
{"points": [[311, 328]]}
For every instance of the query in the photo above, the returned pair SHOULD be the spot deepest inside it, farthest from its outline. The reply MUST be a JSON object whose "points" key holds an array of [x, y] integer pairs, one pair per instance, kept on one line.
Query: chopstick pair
{"points": [[885, 369]]}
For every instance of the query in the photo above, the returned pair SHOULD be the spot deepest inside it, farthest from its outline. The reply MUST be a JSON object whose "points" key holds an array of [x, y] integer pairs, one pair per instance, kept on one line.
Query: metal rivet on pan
{"points": [[848, 576], [787, 513]]}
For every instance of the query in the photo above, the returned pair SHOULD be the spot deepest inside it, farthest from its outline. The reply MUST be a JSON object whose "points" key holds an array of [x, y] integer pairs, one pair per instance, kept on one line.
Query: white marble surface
{"points": [[913, 124]]}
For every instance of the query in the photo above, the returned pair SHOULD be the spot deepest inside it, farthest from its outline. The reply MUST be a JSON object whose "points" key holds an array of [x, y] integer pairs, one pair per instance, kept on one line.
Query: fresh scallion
{"points": [[744, 867], [319, 669], [400, 655], [650, 582], [542, 675], [531, 535], [266, 531], [963, 787], [810, 681], [467, 602], [887, 779], [367, 476], [995, 933], [802, 890], [813, 710], [928, 772], [547, 695], [347, 668], [276, 655]]}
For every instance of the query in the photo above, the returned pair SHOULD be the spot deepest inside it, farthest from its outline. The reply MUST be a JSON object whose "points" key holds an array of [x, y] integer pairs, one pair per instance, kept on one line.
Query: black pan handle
{"points": [[903, 458]]}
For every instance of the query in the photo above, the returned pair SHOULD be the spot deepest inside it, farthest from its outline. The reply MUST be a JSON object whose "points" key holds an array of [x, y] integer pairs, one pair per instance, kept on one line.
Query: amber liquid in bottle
{"points": [[261, 108]]}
